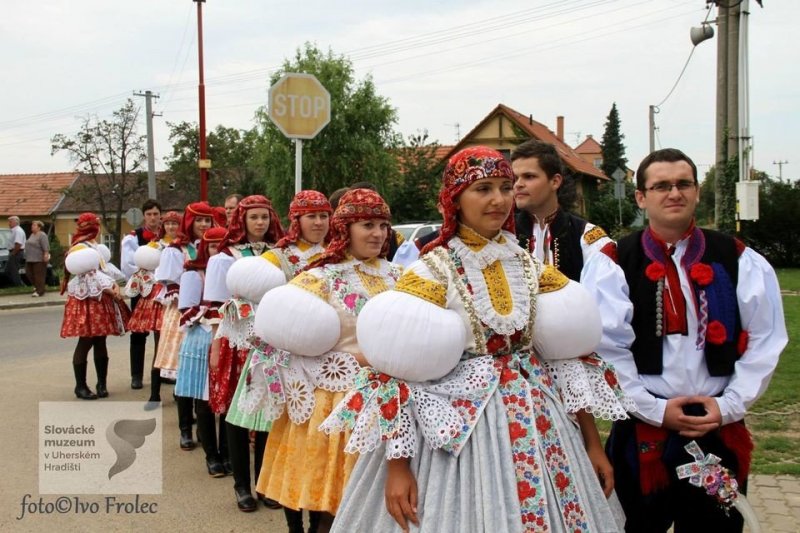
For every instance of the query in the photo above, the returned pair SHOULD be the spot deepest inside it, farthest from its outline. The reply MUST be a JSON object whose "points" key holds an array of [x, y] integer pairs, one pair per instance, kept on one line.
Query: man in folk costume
{"points": [[148, 232], [544, 228], [709, 325]]}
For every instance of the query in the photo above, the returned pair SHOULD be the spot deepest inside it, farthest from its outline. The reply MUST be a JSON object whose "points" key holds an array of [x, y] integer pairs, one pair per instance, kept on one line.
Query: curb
{"points": [[30, 305]]}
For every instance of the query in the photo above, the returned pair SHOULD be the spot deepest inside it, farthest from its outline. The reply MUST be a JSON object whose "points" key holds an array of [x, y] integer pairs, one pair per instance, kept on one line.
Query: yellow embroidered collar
{"points": [[474, 240]]}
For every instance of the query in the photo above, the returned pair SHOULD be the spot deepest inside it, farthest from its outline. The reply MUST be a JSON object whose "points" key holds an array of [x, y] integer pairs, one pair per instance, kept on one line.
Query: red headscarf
{"points": [[200, 262], [220, 216], [237, 231], [192, 211], [303, 203], [355, 205], [88, 226], [463, 169], [169, 216]]}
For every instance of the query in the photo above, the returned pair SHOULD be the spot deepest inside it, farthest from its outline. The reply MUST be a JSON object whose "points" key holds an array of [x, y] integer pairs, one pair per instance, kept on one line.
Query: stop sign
{"points": [[299, 105]]}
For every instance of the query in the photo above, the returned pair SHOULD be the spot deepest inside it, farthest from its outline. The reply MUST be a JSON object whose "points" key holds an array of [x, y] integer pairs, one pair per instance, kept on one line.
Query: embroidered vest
{"points": [[709, 247], [566, 231]]}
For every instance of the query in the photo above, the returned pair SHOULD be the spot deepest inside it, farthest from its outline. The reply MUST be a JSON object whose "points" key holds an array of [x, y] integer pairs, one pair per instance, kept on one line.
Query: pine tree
{"points": [[613, 149]]}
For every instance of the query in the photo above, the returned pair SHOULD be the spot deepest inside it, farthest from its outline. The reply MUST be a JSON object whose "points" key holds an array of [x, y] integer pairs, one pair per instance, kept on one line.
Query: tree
{"points": [[704, 215], [230, 151], [776, 234], [414, 193], [612, 148], [111, 153], [355, 146]]}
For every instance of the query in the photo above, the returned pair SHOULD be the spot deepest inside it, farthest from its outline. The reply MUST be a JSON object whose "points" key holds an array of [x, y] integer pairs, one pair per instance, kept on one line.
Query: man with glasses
{"points": [[709, 328]]}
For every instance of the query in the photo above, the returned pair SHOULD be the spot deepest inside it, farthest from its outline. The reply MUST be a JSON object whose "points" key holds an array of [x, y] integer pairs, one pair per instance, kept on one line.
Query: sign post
{"points": [[300, 107], [619, 189]]}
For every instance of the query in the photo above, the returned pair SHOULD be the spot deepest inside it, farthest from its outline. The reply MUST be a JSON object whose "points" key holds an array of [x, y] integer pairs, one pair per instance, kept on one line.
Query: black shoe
{"points": [[85, 393], [269, 503], [168, 381], [136, 382], [215, 468], [186, 440], [245, 501], [102, 391], [226, 464]]}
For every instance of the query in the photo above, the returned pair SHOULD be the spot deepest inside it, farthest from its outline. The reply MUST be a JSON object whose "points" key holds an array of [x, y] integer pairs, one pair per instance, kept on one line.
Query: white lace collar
{"points": [[374, 267]]}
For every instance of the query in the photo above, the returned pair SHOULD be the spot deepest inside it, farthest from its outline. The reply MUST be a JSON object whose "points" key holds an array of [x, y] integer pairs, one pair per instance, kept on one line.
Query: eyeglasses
{"points": [[666, 186]]}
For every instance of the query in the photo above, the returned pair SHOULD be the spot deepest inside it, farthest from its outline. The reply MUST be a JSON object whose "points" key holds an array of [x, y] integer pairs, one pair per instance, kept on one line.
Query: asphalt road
{"points": [[35, 365]]}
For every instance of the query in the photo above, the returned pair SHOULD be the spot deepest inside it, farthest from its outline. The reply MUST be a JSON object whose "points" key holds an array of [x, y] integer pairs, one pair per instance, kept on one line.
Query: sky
{"points": [[443, 64]]}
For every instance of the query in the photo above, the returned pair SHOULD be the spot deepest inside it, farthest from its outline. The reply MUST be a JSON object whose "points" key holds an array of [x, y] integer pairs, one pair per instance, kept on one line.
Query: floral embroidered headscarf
{"points": [[237, 230], [303, 203]]}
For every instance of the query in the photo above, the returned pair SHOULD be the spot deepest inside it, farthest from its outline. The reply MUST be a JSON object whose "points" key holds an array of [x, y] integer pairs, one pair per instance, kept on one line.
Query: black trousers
{"points": [[687, 506], [137, 348], [239, 453]]}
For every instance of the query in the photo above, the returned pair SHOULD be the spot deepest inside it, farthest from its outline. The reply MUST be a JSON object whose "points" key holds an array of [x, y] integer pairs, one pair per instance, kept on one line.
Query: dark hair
{"points": [[364, 185], [666, 155], [336, 195], [150, 204], [546, 153]]}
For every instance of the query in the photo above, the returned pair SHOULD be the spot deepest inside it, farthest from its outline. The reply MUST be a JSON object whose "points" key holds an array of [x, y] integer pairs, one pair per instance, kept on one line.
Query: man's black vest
{"points": [[648, 348], [566, 231], [139, 232]]}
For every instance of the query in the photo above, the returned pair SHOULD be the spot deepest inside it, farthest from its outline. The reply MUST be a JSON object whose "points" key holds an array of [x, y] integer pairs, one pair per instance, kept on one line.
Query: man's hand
{"points": [[401, 493], [692, 426]]}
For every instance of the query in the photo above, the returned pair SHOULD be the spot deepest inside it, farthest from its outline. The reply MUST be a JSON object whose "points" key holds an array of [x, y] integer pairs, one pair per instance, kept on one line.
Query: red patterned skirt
{"points": [[147, 314], [94, 318], [223, 381]]}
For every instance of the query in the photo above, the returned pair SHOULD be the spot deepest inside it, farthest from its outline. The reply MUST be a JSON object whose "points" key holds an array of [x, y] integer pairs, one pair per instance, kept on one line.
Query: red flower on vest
{"points": [[355, 403], [716, 332], [741, 345], [655, 271], [701, 274]]}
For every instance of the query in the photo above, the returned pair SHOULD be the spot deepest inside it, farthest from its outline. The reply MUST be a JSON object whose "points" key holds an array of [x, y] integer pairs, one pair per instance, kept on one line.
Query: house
{"points": [[504, 128], [592, 152], [33, 196]]}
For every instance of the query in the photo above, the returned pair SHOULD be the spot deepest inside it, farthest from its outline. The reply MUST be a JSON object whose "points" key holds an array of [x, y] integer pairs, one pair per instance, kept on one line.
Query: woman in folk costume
{"points": [[170, 224], [309, 324], [94, 307], [459, 425], [197, 218], [254, 228], [251, 278], [196, 319]]}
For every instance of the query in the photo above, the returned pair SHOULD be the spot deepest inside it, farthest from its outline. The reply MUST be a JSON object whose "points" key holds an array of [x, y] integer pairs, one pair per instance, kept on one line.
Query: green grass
{"points": [[789, 278]]}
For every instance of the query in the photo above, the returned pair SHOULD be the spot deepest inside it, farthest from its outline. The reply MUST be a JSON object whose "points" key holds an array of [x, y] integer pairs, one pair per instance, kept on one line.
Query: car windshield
{"points": [[5, 238], [406, 231]]}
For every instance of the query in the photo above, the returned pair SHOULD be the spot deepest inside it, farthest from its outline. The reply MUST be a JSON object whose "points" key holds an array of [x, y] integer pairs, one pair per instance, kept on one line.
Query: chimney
{"points": [[560, 128]]}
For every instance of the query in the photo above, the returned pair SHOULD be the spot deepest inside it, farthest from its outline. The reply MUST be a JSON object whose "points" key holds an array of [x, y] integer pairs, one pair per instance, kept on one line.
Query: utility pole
{"points": [[780, 168], [721, 161], [652, 122], [203, 163], [151, 158]]}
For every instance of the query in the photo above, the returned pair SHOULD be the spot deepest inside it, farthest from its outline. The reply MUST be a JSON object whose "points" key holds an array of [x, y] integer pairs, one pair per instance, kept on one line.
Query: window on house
{"points": [[108, 240], [598, 162]]}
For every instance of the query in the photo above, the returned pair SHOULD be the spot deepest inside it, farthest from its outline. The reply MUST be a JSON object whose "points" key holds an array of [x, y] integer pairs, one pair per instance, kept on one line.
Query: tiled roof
{"points": [[589, 146], [170, 200], [539, 131], [33, 195]]}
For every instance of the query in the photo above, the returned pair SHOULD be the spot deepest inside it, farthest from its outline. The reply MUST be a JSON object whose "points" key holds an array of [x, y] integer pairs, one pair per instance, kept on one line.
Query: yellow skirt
{"points": [[305, 468], [169, 344]]}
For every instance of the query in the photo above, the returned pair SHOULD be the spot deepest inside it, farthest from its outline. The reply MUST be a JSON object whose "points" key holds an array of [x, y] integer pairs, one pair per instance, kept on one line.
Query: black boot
{"points": [[101, 367], [294, 519], [137, 348], [207, 434], [82, 390], [155, 385], [185, 422]]}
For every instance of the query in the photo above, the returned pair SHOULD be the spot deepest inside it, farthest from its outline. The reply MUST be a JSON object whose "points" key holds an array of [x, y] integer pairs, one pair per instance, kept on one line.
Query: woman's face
{"points": [[200, 225], [35, 228], [367, 238], [485, 205], [256, 222], [314, 227], [171, 229]]}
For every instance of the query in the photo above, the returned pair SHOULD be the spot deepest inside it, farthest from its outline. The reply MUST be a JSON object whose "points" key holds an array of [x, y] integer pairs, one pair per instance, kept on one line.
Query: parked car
{"points": [[51, 278], [414, 231]]}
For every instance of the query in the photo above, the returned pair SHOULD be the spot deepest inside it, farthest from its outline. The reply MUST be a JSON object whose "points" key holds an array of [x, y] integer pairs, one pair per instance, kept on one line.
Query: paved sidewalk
{"points": [[775, 499]]}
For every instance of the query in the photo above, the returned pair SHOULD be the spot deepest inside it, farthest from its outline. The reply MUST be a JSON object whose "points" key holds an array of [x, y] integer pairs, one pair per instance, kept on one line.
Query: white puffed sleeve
{"points": [[408, 333], [297, 317], [252, 277], [170, 267], [191, 292], [216, 288], [129, 246]]}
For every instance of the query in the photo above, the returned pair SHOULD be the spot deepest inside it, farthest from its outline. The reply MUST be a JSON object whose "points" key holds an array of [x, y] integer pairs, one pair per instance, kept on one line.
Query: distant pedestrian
{"points": [[37, 254], [16, 247], [231, 201]]}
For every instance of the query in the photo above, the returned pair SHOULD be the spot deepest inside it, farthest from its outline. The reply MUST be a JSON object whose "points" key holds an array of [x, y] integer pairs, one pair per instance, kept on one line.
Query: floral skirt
{"points": [[192, 380], [147, 314], [169, 342], [94, 318], [222, 382], [304, 468]]}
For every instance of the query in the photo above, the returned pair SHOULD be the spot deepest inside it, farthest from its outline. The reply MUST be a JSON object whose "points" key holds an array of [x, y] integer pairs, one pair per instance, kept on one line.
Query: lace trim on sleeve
{"points": [[236, 324], [590, 383], [141, 283], [89, 285]]}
